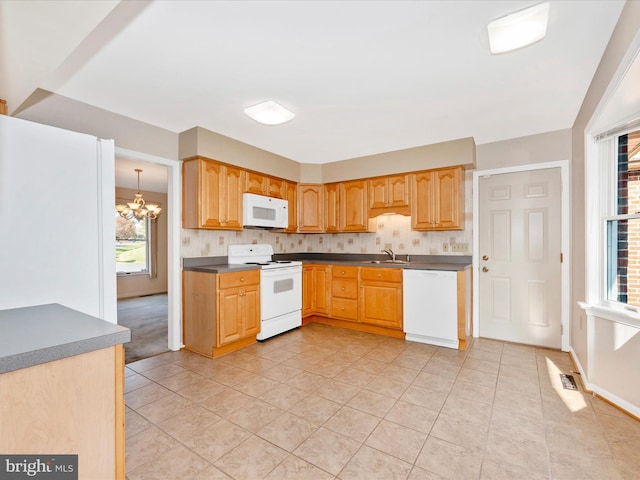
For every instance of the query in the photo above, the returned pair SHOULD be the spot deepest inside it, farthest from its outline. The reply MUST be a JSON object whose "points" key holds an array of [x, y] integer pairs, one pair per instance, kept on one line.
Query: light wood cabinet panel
{"points": [[255, 183], [389, 194], [71, 405], [344, 292], [276, 187], [264, 185], [291, 195], [331, 207], [310, 208], [353, 206], [437, 199], [211, 195], [221, 312], [229, 326], [315, 289], [344, 308], [381, 297]]}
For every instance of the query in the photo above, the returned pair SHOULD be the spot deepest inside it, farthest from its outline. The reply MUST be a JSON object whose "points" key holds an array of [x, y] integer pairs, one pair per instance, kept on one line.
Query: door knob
{"points": [[485, 258], [485, 269]]}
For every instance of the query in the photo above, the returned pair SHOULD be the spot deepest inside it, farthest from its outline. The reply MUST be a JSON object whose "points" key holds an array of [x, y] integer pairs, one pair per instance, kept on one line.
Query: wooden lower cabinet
{"points": [[381, 297], [315, 289], [221, 312], [344, 292], [73, 405], [361, 298]]}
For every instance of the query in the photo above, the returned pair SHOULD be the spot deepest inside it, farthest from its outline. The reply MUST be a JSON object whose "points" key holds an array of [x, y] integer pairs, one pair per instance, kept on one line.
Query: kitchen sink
{"points": [[386, 261]]}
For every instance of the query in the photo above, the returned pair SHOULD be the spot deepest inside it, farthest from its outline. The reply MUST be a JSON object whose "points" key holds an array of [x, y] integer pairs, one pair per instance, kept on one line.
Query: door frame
{"points": [[565, 229], [174, 215]]}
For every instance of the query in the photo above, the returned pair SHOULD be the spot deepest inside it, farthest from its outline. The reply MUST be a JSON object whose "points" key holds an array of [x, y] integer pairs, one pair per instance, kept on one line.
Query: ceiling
{"points": [[363, 77]]}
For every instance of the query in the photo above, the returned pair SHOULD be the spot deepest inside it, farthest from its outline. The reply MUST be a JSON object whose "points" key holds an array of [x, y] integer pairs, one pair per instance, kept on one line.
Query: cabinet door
{"points": [[381, 304], [255, 183], [307, 290], [232, 198], [353, 206], [212, 207], [310, 205], [276, 187], [422, 201], [331, 207], [378, 193], [229, 317], [398, 191], [448, 202], [321, 288], [291, 196], [250, 311]]}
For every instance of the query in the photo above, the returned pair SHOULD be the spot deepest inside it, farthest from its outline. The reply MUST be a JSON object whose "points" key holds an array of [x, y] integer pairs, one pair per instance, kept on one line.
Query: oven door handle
{"points": [[273, 272]]}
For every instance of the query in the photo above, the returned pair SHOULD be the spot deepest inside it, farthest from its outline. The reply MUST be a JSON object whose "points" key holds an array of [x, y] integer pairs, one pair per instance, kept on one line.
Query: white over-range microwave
{"points": [[260, 211]]}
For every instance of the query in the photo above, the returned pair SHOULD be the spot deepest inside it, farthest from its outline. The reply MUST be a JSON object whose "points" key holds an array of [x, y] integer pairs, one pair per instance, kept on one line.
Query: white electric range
{"points": [[280, 287]]}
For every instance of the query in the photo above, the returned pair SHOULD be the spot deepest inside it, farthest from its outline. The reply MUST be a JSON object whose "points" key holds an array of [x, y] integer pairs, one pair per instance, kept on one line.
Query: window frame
{"points": [[147, 271], [601, 177]]}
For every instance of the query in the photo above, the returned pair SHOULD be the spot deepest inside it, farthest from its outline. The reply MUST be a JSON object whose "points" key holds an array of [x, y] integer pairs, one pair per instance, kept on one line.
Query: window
{"points": [[132, 246], [623, 226]]}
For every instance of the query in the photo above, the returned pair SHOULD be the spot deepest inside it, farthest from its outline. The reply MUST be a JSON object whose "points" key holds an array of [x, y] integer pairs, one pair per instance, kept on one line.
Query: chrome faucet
{"points": [[391, 254]]}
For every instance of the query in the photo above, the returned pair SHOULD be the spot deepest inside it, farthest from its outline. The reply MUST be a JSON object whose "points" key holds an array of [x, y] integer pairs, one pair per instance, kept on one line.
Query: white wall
{"points": [[52, 197]]}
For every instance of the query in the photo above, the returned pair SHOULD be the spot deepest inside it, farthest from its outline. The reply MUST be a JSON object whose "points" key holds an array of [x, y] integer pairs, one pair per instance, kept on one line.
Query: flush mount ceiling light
{"points": [[269, 113], [139, 209], [518, 29]]}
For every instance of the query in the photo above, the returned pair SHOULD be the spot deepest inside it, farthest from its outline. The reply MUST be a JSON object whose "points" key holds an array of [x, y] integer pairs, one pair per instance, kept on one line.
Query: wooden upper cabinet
{"points": [[264, 185], [353, 206], [291, 195], [255, 183], [211, 195], [310, 208], [331, 207], [437, 199], [276, 187], [389, 194]]}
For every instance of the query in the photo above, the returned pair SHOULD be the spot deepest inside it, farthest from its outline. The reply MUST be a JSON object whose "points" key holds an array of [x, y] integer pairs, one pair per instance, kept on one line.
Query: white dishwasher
{"points": [[430, 304]]}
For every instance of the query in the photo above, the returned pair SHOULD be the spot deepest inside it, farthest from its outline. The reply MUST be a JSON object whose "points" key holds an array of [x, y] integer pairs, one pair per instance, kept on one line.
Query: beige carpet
{"points": [[147, 319]]}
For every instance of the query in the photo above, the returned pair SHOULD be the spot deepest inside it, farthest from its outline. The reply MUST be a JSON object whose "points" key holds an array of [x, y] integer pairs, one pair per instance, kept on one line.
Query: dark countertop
{"points": [[417, 262], [34, 335]]}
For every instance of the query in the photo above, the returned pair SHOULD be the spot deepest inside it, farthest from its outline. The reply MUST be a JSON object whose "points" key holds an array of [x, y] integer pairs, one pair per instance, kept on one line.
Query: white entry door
{"points": [[520, 286]]}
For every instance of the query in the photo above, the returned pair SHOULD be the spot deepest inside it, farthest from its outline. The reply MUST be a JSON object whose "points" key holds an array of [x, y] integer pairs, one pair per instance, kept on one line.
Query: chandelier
{"points": [[138, 209]]}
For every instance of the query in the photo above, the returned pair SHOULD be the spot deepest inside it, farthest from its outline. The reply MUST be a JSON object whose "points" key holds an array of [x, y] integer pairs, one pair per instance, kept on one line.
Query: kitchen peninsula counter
{"points": [[34, 335], [62, 384]]}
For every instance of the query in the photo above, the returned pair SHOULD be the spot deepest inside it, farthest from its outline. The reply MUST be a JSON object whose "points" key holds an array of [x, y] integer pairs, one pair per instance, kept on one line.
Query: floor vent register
{"points": [[568, 382]]}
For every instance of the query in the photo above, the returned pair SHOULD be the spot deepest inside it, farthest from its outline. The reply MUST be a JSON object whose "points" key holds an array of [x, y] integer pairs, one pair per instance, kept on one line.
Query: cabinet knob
{"points": [[379, 274], [342, 308], [342, 273], [485, 258], [242, 279], [485, 269], [343, 289]]}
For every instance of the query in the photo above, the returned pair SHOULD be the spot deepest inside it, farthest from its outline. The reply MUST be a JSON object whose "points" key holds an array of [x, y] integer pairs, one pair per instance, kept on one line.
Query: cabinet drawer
{"points": [[339, 271], [381, 274], [239, 279], [344, 288], [344, 308]]}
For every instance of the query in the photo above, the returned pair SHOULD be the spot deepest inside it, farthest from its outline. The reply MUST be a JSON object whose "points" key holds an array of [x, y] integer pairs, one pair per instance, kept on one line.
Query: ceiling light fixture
{"points": [[138, 209], [518, 29], [269, 113]]}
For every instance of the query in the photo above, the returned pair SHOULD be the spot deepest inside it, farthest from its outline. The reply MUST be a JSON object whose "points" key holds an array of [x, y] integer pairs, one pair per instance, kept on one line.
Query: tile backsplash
{"points": [[392, 229]]}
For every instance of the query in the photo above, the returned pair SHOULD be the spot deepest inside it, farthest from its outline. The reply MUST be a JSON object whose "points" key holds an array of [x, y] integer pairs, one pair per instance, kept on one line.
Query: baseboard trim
{"points": [[604, 395]]}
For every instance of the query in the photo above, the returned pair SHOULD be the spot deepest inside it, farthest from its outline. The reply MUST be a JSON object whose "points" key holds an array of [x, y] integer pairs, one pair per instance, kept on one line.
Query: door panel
{"points": [[520, 270]]}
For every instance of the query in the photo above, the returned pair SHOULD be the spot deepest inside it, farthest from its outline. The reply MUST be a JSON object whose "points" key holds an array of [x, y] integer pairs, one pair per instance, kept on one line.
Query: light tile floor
{"points": [[327, 403]]}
